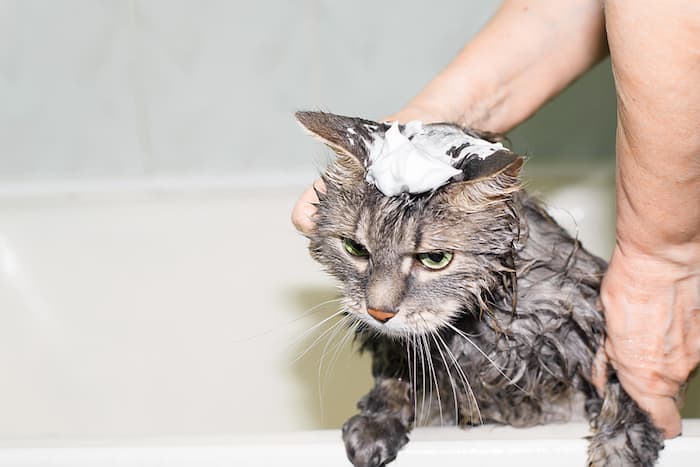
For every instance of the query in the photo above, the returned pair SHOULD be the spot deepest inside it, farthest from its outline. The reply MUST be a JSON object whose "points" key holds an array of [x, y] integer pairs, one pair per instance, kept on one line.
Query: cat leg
{"points": [[374, 436], [624, 434]]}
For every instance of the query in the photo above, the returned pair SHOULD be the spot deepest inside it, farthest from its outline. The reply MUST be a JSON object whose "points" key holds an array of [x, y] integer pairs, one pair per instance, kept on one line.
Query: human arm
{"points": [[651, 292], [524, 56], [527, 53]]}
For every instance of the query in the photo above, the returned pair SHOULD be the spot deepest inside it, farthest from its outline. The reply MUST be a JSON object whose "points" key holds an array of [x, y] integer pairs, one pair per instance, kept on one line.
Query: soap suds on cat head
{"points": [[421, 158]]}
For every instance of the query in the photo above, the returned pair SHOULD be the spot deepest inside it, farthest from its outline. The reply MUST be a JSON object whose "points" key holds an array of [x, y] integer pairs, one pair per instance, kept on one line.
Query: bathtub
{"points": [[552, 446], [173, 322]]}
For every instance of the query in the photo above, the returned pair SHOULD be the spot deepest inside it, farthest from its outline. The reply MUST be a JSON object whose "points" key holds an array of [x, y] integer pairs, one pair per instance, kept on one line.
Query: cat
{"points": [[477, 307]]}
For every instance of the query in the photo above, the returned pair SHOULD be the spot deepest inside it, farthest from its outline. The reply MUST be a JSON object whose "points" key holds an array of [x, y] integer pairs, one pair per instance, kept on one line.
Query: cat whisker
{"points": [[349, 335], [411, 375], [490, 360], [415, 379], [319, 324], [324, 352], [419, 348], [351, 332], [323, 334], [471, 397], [449, 376], [331, 339], [433, 373], [316, 308], [306, 313]]}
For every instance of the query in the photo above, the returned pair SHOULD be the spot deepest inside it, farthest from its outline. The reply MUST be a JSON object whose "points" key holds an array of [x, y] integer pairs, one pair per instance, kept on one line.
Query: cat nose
{"points": [[381, 316]]}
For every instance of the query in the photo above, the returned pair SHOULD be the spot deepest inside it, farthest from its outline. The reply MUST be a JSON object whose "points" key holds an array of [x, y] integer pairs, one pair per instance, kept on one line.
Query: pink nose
{"points": [[381, 316]]}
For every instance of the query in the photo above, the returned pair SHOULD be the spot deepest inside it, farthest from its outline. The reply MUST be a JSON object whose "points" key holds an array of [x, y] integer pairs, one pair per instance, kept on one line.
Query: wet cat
{"points": [[475, 305]]}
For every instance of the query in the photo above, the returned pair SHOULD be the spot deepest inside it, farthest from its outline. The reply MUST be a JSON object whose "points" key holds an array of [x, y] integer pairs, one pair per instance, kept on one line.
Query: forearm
{"points": [[651, 291], [526, 54], [658, 138]]}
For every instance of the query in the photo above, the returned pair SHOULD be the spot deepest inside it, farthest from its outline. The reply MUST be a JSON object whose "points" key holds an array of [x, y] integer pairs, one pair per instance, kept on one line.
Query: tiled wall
{"points": [[119, 88]]}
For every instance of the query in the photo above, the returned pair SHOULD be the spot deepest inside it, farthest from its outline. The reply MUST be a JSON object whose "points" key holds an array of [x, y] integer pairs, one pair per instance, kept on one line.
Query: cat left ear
{"points": [[346, 136], [486, 181], [501, 163]]}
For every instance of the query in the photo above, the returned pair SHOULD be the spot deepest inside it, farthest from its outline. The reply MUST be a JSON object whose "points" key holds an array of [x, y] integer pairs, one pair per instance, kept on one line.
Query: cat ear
{"points": [[346, 136], [350, 138], [503, 162], [486, 181]]}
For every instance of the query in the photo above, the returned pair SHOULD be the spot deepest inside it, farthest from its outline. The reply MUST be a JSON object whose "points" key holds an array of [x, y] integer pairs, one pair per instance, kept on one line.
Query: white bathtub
{"points": [[553, 446], [157, 323], [161, 308]]}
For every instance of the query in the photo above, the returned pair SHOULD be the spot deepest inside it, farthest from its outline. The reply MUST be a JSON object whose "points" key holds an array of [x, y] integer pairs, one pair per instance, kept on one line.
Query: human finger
{"points": [[305, 208]]}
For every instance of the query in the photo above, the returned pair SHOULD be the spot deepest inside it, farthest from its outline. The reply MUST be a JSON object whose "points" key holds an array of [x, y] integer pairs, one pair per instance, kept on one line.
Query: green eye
{"points": [[435, 260], [354, 248]]}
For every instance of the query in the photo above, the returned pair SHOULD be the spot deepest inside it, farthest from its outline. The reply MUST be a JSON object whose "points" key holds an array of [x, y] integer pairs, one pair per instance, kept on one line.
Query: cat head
{"points": [[412, 256]]}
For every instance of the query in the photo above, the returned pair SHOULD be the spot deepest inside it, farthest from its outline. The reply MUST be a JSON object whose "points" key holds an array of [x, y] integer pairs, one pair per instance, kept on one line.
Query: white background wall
{"points": [[119, 88]]}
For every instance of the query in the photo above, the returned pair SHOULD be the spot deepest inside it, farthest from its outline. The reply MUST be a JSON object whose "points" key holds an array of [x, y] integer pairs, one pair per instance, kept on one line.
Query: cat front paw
{"points": [[373, 441]]}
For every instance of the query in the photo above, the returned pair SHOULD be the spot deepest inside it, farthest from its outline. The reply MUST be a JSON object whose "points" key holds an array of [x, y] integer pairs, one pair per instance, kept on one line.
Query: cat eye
{"points": [[435, 260], [354, 248]]}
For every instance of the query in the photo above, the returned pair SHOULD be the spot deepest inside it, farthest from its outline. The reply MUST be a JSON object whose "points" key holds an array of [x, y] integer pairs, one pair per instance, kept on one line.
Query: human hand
{"points": [[421, 109], [652, 313], [494, 92], [305, 207]]}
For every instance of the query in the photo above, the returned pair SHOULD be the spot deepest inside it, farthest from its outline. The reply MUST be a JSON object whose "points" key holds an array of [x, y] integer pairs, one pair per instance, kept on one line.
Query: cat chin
{"points": [[398, 332]]}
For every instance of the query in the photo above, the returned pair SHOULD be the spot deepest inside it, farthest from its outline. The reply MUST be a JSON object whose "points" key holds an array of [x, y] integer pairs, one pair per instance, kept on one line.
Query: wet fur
{"points": [[507, 336]]}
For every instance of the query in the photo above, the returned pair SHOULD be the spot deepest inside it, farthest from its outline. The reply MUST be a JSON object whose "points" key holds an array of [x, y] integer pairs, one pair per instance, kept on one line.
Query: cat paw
{"points": [[373, 441], [630, 448]]}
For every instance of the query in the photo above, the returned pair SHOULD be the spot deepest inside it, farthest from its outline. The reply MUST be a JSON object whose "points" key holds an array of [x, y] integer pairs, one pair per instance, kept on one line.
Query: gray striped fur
{"points": [[506, 333]]}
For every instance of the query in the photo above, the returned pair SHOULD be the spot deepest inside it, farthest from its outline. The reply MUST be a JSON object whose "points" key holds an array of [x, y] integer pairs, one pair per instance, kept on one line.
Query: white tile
{"points": [[375, 56], [147, 314], [222, 80], [65, 87]]}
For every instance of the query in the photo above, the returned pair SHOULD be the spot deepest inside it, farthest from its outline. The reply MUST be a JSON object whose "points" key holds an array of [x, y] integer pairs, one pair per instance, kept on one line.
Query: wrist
{"points": [[682, 258], [456, 95], [657, 266], [505, 73]]}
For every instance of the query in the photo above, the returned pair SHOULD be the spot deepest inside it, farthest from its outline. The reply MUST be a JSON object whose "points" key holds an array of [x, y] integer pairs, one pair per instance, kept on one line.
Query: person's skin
{"points": [[504, 74], [651, 292], [527, 54]]}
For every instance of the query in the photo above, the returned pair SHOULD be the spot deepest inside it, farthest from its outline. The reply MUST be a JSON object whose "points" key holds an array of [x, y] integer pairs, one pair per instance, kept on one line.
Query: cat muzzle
{"points": [[381, 316]]}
